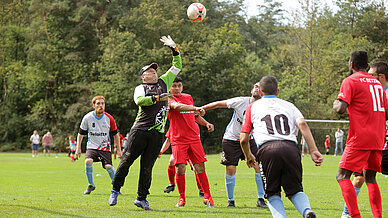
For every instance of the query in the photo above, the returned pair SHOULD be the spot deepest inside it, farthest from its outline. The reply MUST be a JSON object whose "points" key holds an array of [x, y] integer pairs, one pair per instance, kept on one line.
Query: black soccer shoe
{"points": [[169, 188], [230, 203], [261, 203], [89, 189]]}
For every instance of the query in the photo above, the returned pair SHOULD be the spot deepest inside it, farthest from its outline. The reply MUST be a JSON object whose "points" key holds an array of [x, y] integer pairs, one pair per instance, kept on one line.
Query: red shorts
{"points": [[190, 151], [357, 160]]}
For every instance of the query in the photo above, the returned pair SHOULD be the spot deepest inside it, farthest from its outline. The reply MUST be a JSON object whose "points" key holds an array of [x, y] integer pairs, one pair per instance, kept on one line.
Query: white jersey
{"points": [[239, 104], [271, 119], [98, 130], [35, 139]]}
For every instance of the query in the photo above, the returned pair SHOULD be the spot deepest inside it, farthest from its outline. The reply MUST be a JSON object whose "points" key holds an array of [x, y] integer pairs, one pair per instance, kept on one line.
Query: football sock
{"points": [[259, 185], [205, 184], [89, 173], [181, 183], [230, 182], [171, 174], [357, 191], [276, 206], [301, 202], [375, 199], [350, 197], [198, 183], [111, 172], [72, 158]]}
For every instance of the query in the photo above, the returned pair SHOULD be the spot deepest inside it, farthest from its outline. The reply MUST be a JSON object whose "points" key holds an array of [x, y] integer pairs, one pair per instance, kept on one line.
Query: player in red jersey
{"points": [[187, 142], [363, 97], [379, 70]]}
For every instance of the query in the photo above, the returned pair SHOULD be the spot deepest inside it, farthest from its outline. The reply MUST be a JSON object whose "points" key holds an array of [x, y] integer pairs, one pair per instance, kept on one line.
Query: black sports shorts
{"points": [[104, 156], [232, 152], [384, 163], [281, 167]]}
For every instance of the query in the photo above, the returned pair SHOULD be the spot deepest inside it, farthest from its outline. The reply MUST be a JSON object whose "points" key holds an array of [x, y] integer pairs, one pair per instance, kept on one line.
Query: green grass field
{"points": [[49, 186]]}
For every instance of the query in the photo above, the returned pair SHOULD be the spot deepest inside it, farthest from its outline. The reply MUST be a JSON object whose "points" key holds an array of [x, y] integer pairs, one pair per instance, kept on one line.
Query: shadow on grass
{"points": [[42, 210]]}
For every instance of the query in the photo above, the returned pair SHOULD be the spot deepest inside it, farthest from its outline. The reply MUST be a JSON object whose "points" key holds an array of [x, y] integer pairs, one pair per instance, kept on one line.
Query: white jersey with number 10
{"points": [[271, 119]]}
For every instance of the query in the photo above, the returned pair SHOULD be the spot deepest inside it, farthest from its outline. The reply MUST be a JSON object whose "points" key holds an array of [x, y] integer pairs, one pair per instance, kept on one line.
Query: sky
{"points": [[288, 6]]}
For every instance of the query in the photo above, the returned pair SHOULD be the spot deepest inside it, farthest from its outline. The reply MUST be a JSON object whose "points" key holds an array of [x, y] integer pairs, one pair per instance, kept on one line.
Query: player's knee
{"points": [[108, 166], [181, 169], [88, 161], [199, 167]]}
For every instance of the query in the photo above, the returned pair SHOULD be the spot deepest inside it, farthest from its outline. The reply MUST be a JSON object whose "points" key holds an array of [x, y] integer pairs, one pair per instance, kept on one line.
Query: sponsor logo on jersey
{"points": [[98, 133]]}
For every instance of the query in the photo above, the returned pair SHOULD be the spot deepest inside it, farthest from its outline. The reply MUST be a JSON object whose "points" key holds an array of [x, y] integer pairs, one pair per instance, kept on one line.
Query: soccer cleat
{"points": [[142, 204], [230, 203], [261, 203], [169, 188], [310, 214], [208, 202], [113, 198], [345, 213], [181, 203], [201, 194], [89, 189]]}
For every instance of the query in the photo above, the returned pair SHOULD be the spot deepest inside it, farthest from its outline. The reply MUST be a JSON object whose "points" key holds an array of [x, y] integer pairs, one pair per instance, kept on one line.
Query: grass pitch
{"points": [[49, 186]]}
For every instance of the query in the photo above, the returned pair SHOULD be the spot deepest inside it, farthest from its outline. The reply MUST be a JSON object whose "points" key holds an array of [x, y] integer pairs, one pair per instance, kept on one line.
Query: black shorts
{"points": [[384, 163], [104, 156], [232, 152], [281, 167], [47, 147]]}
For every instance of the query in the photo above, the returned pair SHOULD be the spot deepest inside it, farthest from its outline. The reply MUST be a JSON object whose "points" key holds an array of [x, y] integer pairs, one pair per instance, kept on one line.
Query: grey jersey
{"points": [[239, 104]]}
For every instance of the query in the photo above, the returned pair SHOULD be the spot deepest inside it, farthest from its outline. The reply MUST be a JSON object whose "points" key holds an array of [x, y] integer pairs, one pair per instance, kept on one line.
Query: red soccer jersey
{"points": [[366, 108], [182, 123], [327, 143]]}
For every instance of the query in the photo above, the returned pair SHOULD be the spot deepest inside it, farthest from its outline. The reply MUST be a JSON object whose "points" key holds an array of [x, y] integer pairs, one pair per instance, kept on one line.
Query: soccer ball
{"points": [[196, 12]]}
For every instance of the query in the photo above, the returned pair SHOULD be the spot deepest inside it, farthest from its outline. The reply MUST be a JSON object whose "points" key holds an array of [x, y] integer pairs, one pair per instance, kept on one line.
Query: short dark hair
{"points": [[269, 85], [381, 68], [359, 59], [177, 79]]}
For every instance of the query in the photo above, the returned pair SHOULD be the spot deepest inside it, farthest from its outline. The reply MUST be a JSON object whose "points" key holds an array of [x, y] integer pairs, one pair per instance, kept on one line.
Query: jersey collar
{"points": [[269, 96], [94, 114]]}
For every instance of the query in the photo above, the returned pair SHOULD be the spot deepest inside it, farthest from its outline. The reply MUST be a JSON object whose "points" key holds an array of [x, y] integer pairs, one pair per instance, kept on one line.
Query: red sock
{"points": [[171, 174], [375, 200], [198, 183], [350, 197], [181, 183], [72, 158], [205, 184]]}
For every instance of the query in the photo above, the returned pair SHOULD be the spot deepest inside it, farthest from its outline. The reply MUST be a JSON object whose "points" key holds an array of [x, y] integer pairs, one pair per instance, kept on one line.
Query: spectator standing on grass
{"points": [[35, 141], [327, 144], [46, 142], [305, 148], [273, 122], [339, 135], [362, 97]]}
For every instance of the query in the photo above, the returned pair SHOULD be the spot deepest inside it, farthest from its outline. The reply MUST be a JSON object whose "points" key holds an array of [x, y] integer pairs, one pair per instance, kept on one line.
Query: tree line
{"points": [[57, 54]]}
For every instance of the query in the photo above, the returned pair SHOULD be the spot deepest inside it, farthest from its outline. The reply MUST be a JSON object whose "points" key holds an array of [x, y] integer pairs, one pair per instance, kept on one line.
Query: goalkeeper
{"points": [[146, 135]]}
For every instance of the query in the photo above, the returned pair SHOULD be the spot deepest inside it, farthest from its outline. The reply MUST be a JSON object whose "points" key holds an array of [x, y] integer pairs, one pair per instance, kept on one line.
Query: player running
{"points": [[97, 124], [274, 122], [146, 135], [72, 146], [379, 70], [186, 140], [231, 149]]}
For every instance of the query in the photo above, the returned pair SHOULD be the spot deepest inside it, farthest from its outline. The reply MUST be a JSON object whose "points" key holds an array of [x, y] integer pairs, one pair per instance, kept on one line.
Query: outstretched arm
{"points": [[216, 104], [184, 107], [316, 156]]}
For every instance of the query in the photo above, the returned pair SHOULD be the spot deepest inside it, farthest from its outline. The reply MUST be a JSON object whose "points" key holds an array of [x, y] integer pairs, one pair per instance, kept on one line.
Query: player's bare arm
{"points": [[244, 143], [117, 142], [184, 107], [316, 156], [201, 121], [214, 105], [165, 146], [340, 106], [78, 149]]}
